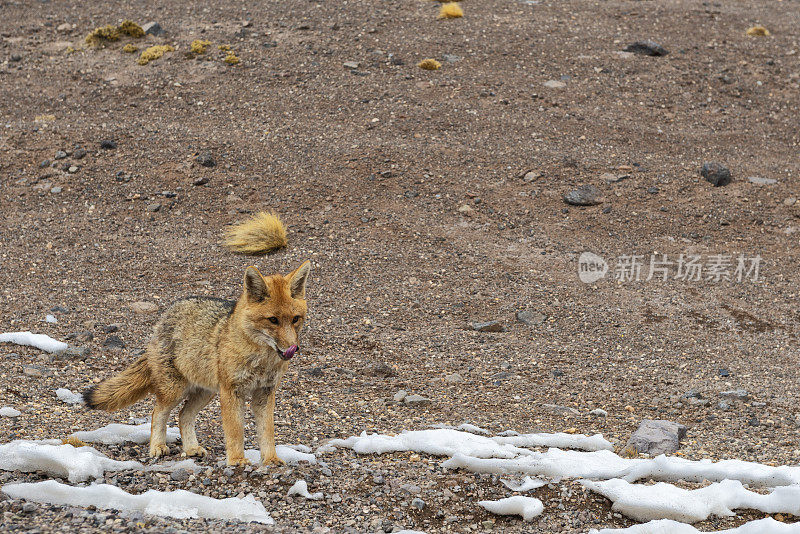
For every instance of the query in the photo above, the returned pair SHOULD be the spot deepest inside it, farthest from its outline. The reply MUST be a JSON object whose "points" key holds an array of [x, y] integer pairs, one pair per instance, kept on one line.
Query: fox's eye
{"points": [[295, 319], [273, 320]]}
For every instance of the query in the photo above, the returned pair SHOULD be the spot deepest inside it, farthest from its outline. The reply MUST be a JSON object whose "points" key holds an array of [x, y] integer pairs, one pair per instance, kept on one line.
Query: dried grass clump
{"points": [[129, 27], [130, 49], [153, 53], [105, 33], [758, 31], [450, 10], [429, 64], [72, 440], [198, 46], [231, 59], [224, 47]]}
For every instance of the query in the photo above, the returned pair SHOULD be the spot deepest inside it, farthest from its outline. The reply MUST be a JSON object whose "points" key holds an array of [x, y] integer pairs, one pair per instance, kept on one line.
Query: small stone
{"points": [[646, 48], [44, 163], [153, 28], [114, 343], [724, 372], [34, 371], [73, 353], [489, 326], [718, 175], [416, 400], [228, 471], [723, 405], [411, 488], [60, 154], [16, 57], [451, 58], [64, 27], [466, 209], [400, 395], [599, 412], [735, 394], [530, 317], [143, 307], [72, 169], [791, 201], [611, 178], [530, 176], [336, 497], [561, 410], [108, 144], [656, 437], [205, 159], [381, 369], [761, 181], [8, 411], [153, 207], [454, 378], [418, 503], [585, 195], [555, 84], [179, 475], [203, 180], [29, 508], [113, 327], [351, 65], [753, 421], [56, 190], [378, 479], [79, 154]]}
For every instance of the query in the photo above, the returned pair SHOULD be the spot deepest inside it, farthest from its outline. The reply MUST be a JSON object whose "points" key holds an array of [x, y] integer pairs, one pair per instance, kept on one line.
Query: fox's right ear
{"points": [[254, 285]]}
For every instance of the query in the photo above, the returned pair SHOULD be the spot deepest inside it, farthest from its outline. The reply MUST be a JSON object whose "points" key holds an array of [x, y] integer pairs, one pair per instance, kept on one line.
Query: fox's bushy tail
{"points": [[261, 233], [121, 390]]}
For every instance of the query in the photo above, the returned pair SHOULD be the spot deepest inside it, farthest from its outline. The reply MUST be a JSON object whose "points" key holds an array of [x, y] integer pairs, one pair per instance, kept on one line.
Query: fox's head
{"points": [[275, 308]]}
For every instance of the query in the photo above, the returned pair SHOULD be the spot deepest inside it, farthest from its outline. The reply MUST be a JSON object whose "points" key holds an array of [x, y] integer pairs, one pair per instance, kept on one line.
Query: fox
{"points": [[204, 346]]}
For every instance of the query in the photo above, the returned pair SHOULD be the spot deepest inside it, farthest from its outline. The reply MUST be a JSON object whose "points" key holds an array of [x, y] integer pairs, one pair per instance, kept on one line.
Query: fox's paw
{"points": [[238, 461], [272, 460], [195, 451], [158, 449]]}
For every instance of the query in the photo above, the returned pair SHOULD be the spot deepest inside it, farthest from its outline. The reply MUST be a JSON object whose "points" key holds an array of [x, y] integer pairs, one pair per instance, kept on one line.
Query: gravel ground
{"points": [[426, 200]]}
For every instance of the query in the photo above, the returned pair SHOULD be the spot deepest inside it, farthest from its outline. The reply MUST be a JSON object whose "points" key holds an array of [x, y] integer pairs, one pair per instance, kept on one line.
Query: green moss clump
{"points": [[153, 53]]}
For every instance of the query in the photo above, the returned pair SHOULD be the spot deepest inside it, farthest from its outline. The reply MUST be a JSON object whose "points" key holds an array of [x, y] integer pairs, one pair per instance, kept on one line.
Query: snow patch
{"points": [[8, 411], [168, 467], [50, 319], [179, 503], [667, 526], [68, 396], [560, 439], [40, 341], [527, 484], [301, 488], [288, 453], [527, 507], [665, 501], [75, 464], [116, 433]]}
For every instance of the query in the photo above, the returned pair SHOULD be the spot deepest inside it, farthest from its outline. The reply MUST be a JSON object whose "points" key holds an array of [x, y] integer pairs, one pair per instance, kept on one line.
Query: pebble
{"points": [[60, 154], [411, 488], [79, 154], [530, 317], [418, 503], [585, 195], [153, 28], [489, 326], [761, 181], [416, 400], [555, 84], [114, 342], [716, 174], [108, 144], [57, 189], [228, 471], [8, 411], [72, 169], [64, 27], [562, 410], [530, 176], [29, 508], [110, 329], [400, 395], [611, 178], [646, 48], [735, 394], [203, 180], [34, 371], [454, 378], [451, 58], [352, 65], [205, 159], [143, 307], [179, 475], [656, 437], [791, 201], [724, 372], [44, 163], [153, 207], [73, 353], [599, 412]]}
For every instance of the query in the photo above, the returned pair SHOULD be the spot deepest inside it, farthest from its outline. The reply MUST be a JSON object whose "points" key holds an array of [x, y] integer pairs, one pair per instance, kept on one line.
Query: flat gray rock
{"points": [[657, 436], [489, 326], [585, 195]]}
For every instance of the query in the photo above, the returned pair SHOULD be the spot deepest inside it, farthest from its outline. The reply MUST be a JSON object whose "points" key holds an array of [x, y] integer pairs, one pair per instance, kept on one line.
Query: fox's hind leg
{"points": [[165, 402], [195, 401]]}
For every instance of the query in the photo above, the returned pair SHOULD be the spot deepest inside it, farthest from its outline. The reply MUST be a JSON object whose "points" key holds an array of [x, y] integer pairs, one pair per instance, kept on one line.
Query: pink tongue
{"points": [[288, 353]]}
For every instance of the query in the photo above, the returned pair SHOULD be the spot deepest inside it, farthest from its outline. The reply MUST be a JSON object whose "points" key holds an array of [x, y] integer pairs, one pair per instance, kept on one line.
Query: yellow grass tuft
{"points": [[72, 440], [231, 59], [198, 46], [224, 47], [130, 49], [259, 234], [153, 53], [758, 31], [129, 27], [104, 33], [450, 10], [429, 64]]}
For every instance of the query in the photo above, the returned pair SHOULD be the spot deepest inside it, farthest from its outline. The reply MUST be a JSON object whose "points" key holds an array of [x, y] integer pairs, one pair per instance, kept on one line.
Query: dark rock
{"points": [[647, 48], [203, 180], [110, 329], [718, 175], [45, 163], [585, 195], [153, 28], [530, 317], [205, 159], [381, 369], [108, 144], [724, 372], [656, 437], [16, 57], [73, 353], [59, 309], [489, 326], [79, 154], [114, 342], [736, 394], [179, 475]]}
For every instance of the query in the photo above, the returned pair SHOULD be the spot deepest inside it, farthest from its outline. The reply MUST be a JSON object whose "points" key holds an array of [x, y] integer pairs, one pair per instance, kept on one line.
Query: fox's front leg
{"points": [[233, 424], [263, 405]]}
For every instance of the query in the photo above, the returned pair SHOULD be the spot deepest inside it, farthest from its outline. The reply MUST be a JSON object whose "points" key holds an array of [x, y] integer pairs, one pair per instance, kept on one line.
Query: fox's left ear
{"points": [[297, 280]]}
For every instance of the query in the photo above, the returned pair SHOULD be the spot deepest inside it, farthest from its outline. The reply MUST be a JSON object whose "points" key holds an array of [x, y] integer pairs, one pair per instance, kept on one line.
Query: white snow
{"points": [[527, 484], [667, 526], [301, 488], [170, 466], [466, 427], [288, 453], [116, 433], [75, 464], [8, 411], [50, 319], [68, 396], [179, 503], [527, 507], [40, 341], [450, 442], [665, 501]]}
